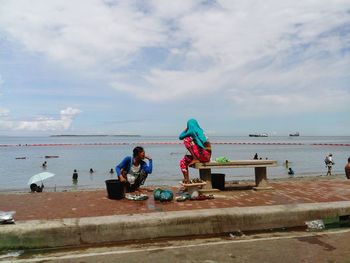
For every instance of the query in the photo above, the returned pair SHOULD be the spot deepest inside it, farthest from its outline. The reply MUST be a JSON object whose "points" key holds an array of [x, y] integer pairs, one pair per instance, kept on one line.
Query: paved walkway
{"points": [[92, 203]]}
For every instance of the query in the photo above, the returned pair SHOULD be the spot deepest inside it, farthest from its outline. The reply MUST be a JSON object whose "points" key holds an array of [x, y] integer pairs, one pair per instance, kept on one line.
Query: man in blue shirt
{"points": [[133, 171]]}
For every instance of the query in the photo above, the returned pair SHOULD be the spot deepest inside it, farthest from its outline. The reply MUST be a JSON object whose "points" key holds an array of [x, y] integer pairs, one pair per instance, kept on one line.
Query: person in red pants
{"points": [[198, 145]]}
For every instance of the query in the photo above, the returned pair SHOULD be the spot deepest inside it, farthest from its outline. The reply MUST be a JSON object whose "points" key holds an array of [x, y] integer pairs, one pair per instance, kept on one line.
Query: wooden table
{"points": [[259, 166]]}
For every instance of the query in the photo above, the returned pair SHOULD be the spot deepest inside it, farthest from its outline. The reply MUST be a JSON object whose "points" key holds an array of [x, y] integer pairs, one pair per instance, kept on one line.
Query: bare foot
{"points": [[185, 181], [193, 162], [140, 191]]}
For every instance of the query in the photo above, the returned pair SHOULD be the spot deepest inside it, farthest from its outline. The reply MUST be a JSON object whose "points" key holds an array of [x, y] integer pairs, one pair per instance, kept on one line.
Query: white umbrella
{"points": [[39, 177]]}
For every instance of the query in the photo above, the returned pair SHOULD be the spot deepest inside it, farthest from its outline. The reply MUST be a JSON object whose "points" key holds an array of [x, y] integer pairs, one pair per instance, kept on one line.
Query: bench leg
{"points": [[261, 179], [205, 175]]}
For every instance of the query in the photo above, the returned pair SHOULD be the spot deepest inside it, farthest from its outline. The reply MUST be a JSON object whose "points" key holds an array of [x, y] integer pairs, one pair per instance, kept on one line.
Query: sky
{"points": [[146, 67]]}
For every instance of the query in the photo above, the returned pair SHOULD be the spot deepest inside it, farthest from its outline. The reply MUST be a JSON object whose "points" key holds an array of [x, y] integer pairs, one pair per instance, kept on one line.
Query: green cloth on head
{"points": [[195, 132], [222, 159]]}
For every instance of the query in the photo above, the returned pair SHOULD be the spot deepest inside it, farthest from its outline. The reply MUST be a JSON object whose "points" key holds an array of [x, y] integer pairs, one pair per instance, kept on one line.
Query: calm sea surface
{"points": [[305, 155]]}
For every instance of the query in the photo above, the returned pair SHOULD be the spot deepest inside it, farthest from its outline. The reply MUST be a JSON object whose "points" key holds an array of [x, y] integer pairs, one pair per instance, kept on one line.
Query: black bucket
{"points": [[115, 189], [218, 181]]}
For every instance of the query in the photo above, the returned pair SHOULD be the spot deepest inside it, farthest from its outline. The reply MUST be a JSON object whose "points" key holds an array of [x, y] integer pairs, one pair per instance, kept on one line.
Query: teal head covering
{"points": [[195, 132]]}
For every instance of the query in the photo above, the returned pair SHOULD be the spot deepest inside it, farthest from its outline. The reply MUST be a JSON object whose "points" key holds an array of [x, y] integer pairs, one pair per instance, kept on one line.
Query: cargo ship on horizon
{"points": [[259, 135], [296, 134]]}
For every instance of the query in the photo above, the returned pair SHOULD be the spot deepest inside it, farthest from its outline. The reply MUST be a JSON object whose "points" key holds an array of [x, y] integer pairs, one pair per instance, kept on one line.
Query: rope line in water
{"points": [[174, 143]]}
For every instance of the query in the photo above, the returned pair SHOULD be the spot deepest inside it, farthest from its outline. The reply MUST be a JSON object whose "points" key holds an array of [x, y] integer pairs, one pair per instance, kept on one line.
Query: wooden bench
{"points": [[261, 182]]}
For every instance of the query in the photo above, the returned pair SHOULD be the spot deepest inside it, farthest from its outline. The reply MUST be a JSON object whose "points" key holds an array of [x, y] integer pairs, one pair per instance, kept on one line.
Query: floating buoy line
{"points": [[166, 143]]}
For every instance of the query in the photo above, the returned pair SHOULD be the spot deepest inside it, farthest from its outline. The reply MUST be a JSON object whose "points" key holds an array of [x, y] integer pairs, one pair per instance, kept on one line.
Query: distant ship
{"points": [[259, 135], [296, 134]]}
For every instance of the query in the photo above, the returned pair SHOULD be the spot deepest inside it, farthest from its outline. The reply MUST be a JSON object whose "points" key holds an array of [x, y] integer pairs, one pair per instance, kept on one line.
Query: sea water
{"points": [[305, 155]]}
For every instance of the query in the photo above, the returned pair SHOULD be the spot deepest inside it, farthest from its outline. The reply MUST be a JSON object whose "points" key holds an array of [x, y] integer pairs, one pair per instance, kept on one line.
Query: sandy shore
{"points": [[308, 178]]}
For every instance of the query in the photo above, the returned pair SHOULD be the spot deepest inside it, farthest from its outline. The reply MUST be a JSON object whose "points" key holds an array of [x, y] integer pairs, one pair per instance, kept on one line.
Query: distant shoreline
{"points": [[95, 135]]}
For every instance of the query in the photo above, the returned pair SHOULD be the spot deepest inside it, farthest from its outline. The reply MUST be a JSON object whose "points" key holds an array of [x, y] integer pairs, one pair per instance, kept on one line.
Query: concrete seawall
{"points": [[106, 229]]}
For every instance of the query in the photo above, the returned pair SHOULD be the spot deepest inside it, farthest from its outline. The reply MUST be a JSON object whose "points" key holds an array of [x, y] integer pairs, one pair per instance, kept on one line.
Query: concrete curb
{"points": [[105, 229]]}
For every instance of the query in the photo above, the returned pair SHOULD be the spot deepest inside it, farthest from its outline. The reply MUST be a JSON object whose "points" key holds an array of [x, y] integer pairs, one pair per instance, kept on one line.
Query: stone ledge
{"points": [[107, 229]]}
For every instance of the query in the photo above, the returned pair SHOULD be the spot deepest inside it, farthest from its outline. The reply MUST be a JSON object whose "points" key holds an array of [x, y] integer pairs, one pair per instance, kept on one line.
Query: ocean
{"points": [[22, 157]]}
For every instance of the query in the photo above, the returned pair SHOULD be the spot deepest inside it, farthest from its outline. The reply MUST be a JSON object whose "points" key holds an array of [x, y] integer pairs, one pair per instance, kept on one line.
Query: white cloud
{"points": [[69, 112], [308, 88], [168, 85], [267, 53], [1, 83], [173, 9], [81, 33], [276, 48], [4, 112], [290, 104], [41, 123]]}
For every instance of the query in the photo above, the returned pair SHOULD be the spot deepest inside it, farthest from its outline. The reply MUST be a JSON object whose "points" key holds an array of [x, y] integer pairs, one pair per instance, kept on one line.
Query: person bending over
{"points": [[36, 188], [196, 142], [133, 171]]}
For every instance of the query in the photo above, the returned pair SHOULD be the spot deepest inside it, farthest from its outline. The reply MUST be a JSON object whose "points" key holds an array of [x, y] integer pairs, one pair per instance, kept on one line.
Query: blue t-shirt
{"points": [[127, 162]]}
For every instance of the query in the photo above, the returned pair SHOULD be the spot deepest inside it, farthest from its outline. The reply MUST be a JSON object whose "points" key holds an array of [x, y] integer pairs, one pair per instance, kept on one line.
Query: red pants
{"points": [[196, 153]]}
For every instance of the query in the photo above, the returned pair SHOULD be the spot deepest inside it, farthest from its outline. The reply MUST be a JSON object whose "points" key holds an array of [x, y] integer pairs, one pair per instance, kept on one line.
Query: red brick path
{"points": [[56, 205]]}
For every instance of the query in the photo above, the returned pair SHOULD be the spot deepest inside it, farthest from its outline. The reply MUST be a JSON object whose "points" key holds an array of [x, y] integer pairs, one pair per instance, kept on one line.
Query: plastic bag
{"points": [[222, 159], [136, 197], [166, 196], [315, 225], [163, 195], [130, 178], [156, 194], [7, 217]]}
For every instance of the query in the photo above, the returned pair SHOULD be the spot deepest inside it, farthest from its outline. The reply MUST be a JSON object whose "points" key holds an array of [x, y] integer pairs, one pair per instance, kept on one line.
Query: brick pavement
{"points": [[75, 204]]}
